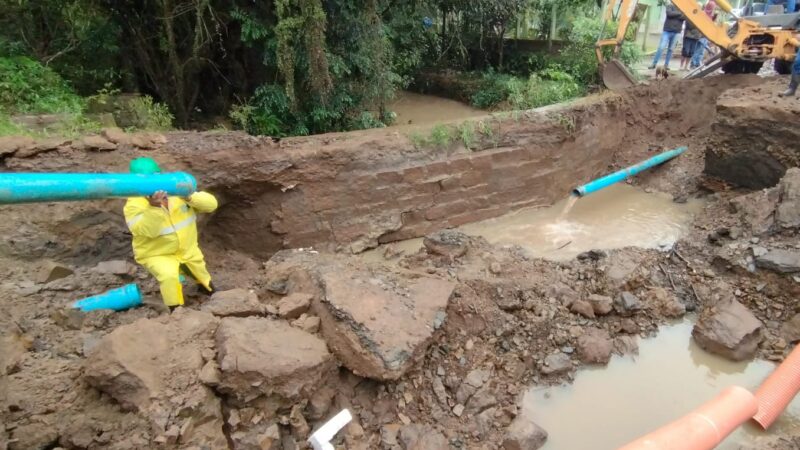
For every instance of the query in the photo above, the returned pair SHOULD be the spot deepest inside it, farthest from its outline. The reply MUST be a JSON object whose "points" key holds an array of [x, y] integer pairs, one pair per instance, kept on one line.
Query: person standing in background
{"points": [[691, 39], [672, 28], [710, 8]]}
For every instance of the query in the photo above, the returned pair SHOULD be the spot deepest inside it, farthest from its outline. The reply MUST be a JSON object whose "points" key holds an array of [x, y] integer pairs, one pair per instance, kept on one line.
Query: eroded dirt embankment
{"points": [[451, 335], [354, 190]]}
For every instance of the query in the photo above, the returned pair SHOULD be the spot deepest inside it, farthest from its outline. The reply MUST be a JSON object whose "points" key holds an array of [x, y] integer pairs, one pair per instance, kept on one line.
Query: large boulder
{"points": [[379, 323], [757, 209], [153, 366], [259, 356], [728, 329], [779, 260]]}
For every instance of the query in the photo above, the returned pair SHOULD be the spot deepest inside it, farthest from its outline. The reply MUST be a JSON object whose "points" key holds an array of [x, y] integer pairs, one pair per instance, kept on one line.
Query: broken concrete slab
{"points": [[234, 302], [595, 346], [294, 305], [787, 215], [780, 260], [524, 434], [728, 329], [260, 356], [153, 366], [379, 323]]}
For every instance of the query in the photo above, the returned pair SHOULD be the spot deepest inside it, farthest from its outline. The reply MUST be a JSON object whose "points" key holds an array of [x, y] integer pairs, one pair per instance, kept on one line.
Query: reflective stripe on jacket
{"points": [[157, 231]]}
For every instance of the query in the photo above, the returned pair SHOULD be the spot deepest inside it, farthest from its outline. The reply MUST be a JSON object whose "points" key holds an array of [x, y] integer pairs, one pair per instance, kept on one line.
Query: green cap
{"points": [[144, 166]]}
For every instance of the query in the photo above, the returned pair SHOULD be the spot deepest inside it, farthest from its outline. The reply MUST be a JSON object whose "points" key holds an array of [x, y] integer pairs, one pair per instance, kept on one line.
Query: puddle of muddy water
{"points": [[616, 217], [419, 109], [605, 408]]}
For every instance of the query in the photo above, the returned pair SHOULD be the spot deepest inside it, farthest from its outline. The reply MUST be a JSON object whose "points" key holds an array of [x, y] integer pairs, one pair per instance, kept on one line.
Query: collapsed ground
{"points": [[429, 350]]}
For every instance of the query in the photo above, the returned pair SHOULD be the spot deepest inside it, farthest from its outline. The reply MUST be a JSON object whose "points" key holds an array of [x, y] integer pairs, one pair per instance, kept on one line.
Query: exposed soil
{"points": [[458, 382]]}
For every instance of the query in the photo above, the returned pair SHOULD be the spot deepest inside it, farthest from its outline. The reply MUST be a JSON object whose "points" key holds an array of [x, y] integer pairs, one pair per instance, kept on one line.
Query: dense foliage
{"points": [[286, 67]]}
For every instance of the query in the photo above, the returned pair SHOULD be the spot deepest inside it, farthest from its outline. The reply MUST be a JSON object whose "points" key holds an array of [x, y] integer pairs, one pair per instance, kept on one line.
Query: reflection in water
{"points": [[605, 408], [419, 109], [618, 216]]}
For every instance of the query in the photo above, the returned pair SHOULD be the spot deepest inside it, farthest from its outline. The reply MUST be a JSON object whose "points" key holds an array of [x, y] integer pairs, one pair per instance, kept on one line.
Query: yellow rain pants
{"points": [[164, 238]]}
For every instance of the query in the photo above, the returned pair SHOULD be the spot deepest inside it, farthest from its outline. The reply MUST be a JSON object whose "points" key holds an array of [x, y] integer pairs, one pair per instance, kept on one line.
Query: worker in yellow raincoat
{"points": [[165, 235]]}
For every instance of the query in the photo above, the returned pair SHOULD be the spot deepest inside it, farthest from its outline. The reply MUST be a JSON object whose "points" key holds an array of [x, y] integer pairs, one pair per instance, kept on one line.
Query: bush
{"points": [[151, 115], [578, 57], [493, 90], [28, 87], [545, 88]]}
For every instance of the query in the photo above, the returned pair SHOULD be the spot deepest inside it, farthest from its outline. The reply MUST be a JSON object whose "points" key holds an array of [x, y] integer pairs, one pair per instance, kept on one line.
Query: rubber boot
{"points": [[792, 86]]}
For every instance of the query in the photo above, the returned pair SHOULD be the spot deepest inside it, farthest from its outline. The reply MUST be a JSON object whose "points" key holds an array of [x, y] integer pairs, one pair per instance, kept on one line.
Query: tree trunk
{"points": [[553, 27]]}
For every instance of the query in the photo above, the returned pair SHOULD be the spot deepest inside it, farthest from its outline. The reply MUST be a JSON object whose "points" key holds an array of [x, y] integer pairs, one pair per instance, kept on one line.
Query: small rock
{"points": [[309, 324], [10, 144], [320, 403], [524, 434], [625, 345], [629, 326], [51, 271], [41, 146], [234, 302], [210, 374], [627, 304], [790, 330], [294, 305], [115, 135], [94, 142], [555, 364], [782, 261], [728, 329], [458, 410], [601, 304], [300, 428], [583, 308], [495, 268], [115, 267], [594, 346], [448, 243]]}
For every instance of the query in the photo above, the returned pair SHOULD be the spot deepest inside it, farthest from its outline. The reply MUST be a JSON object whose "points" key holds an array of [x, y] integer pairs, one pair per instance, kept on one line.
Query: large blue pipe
{"points": [[628, 172], [56, 187]]}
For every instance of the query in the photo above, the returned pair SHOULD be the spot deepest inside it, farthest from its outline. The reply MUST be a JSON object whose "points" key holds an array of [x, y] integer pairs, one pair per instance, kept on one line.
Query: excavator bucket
{"points": [[616, 76]]}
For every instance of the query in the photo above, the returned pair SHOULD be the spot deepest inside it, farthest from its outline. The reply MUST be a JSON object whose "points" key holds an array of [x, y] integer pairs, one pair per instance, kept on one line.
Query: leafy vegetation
{"points": [[287, 67]]}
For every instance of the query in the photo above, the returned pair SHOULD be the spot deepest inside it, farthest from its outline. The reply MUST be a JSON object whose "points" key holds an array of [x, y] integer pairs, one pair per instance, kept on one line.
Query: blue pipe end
{"points": [[118, 299]]}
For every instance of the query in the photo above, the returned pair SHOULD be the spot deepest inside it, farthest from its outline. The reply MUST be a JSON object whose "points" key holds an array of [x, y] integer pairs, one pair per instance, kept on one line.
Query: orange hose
{"points": [[778, 390], [705, 427]]}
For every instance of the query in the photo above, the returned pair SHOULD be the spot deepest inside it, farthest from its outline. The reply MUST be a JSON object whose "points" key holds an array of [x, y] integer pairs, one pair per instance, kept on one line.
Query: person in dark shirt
{"points": [[691, 40], [672, 28]]}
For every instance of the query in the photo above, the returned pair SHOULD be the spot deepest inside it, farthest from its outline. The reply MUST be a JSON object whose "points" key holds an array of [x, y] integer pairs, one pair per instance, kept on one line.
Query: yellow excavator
{"points": [[745, 45]]}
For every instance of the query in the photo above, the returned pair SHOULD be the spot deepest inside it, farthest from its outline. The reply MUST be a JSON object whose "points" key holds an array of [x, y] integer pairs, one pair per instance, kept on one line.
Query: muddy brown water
{"points": [[420, 109], [616, 217], [607, 407]]}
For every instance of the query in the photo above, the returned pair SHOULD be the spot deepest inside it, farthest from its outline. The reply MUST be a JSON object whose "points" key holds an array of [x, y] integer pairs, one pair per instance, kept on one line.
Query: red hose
{"points": [[778, 390], [705, 427]]}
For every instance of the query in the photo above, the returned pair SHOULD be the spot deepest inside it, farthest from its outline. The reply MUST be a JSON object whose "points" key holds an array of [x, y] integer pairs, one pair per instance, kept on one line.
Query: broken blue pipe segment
{"points": [[118, 299], [58, 187], [616, 177]]}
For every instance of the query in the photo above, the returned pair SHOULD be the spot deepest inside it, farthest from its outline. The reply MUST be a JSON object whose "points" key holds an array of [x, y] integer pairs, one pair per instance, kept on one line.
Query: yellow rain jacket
{"points": [[164, 239]]}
